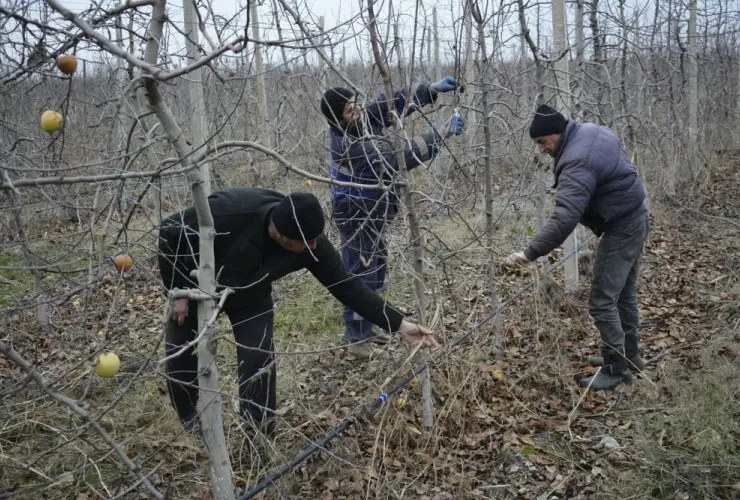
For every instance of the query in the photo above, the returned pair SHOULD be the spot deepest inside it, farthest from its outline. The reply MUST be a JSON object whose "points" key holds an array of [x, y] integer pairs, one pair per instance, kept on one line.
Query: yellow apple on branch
{"points": [[51, 121]]}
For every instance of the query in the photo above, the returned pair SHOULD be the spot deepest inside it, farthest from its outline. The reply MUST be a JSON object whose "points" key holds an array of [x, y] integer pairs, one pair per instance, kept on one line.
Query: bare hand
{"points": [[180, 311], [414, 335], [517, 258]]}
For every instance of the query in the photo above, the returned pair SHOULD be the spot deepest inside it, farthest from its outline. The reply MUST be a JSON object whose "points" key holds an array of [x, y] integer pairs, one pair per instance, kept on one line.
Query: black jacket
{"points": [[248, 260]]}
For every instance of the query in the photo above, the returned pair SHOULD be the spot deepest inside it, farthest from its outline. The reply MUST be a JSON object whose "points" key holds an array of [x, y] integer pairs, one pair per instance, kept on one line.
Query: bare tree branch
{"points": [[44, 384]]}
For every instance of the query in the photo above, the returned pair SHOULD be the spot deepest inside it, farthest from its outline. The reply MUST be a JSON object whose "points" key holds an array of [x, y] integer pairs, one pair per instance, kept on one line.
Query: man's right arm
{"points": [[350, 290], [378, 110], [576, 186], [377, 158]]}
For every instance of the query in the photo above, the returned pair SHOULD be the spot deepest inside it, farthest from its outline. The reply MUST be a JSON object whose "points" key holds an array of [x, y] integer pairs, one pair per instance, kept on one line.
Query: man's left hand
{"points": [[516, 259], [446, 84], [414, 335]]}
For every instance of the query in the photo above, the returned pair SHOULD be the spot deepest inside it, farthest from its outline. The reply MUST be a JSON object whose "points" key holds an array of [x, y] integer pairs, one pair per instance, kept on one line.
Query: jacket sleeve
{"points": [[422, 148], [373, 160], [178, 249], [377, 110], [350, 290], [576, 185]]}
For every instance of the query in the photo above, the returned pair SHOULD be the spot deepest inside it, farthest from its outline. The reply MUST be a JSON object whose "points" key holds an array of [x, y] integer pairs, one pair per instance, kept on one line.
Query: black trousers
{"points": [[253, 335]]}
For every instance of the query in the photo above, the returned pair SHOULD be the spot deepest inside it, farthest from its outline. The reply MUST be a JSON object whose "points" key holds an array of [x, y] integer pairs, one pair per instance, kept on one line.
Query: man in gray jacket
{"points": [[599, 187]]}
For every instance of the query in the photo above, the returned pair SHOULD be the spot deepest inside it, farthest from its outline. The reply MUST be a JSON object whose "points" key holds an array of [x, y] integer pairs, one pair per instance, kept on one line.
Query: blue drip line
{"points": [[337, 431]]}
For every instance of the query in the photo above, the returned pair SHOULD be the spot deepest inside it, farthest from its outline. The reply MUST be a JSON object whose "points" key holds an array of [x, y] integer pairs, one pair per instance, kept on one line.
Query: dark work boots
{"points": [[612, 373], [636, 364], [606, 378]]}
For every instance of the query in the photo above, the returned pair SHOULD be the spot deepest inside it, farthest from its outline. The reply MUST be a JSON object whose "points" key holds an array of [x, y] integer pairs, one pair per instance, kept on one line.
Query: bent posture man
{"points": [[262, 235], [598, 186], [361, 154]]}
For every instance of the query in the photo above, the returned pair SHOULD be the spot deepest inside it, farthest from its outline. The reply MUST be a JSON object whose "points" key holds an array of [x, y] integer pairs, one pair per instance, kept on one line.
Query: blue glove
{"points": [[456, 126], [446, 84]]}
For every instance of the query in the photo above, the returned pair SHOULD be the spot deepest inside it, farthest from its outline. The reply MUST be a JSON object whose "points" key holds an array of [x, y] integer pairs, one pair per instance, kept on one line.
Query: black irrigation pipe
{"points": [[370, 407]]}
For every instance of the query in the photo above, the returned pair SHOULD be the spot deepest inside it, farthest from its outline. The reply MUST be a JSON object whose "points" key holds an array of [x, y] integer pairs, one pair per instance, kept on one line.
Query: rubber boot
{"points": [[379, 337], [606, 380], [360, 349], [632, 351], [636, 364], [611, 374]]}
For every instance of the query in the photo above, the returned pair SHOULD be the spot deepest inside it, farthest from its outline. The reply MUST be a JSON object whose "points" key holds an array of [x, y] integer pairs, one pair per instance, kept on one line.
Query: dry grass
{"points": [[514, 429]]}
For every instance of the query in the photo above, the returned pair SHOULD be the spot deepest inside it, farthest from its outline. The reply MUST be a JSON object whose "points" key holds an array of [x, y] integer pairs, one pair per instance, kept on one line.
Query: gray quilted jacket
{"points": [[597, 186]]}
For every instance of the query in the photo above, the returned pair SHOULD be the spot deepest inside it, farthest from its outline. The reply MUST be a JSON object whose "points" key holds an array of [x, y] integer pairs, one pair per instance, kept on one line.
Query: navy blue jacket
{"points": [[597, 186], [372, 159]]}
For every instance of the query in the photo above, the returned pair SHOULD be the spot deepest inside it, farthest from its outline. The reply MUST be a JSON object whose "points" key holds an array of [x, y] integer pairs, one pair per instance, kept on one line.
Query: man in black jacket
{"points": [[261, 236]]}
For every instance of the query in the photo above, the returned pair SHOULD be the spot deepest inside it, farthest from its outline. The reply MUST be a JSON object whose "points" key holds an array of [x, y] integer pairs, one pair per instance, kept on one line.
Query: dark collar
{"points": [[565, 137], [570, 130]]}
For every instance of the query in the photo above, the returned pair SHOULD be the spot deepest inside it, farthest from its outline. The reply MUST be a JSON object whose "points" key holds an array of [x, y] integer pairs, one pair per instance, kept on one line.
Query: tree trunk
{"points": [[437, 64], [209, 395], [737, 92], [115, 144], [260, 76], [414, 227], [628, 138], [322, 64], [562, 99], [578, 82], [693, 78], [283, 54], [470, 118], [483, 63], [416, 243], [599, 62], [523, 66], [541, 194], [195, 90], [430, 63]]}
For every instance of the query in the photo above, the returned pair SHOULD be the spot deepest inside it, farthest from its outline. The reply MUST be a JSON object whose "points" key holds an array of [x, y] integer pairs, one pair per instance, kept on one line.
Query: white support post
{"points": [[559, 27]]}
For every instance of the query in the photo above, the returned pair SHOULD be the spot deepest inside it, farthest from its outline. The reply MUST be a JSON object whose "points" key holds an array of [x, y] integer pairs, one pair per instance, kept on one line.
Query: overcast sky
{"points": [[338, 20], [339, 16]]}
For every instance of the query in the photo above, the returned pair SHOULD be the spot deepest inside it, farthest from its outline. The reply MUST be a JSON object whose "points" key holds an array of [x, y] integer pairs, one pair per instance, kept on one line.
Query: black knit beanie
{"points": [[333, 102], [299, 213], [547, 121]]}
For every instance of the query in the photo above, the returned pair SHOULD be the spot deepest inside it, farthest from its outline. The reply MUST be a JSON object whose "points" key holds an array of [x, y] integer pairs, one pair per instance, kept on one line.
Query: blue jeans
{"points": [[364, 251], [613, 301]]}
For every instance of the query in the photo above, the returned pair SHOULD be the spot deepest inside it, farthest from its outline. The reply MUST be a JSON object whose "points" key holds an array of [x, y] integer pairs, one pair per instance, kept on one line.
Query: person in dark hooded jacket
{"points": [[362, 154], [261, 236], [599, 187]]}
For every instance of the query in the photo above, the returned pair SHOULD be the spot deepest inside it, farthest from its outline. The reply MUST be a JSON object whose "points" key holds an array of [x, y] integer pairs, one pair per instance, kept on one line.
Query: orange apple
{"points": [[67, 64], [123, 262]]}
